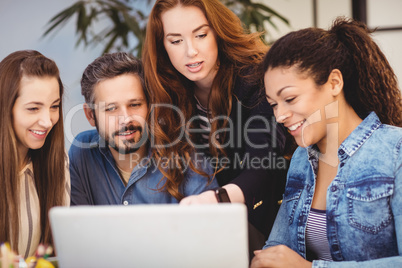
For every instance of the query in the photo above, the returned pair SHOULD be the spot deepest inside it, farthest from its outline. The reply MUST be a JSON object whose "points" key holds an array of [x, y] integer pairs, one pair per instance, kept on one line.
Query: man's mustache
{"points": [[128, 128]]}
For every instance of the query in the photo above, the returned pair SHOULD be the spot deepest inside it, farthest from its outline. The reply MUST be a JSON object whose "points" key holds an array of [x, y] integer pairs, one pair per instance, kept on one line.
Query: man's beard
{"points": [[130, 146]]}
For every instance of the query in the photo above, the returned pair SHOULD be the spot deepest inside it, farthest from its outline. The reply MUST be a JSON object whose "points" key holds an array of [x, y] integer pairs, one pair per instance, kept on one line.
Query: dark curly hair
{"points": [[370, 84]]}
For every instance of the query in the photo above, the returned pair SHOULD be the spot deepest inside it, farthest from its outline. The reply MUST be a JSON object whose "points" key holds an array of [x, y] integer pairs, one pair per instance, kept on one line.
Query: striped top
{"points": [[316, 234], [30, 233]]}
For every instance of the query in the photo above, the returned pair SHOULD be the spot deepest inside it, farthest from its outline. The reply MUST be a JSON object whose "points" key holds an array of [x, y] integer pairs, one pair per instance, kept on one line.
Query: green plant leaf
{"points": [[61, 18], [124, 20], [271, 11]]}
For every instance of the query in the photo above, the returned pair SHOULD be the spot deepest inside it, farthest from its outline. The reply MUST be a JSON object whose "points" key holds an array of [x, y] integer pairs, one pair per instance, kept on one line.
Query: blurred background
{"points": [[84, 30]]}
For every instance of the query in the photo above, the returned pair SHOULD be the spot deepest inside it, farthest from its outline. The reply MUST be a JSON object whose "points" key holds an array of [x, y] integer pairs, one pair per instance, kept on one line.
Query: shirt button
{"points": [[125, 203], [341, 152], [333, 188], [342, 164]]}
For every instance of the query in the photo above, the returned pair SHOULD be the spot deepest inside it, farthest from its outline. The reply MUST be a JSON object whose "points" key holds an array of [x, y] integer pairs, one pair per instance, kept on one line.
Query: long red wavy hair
{"points": [[238, 51]]}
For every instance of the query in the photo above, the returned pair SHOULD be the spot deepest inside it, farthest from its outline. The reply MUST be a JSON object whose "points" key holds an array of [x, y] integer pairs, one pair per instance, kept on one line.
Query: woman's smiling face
{"points": [[299, 104], [35, 112]]}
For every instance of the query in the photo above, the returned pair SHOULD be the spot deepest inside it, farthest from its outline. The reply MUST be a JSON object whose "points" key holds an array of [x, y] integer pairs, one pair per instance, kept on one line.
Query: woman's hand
{"points": [[207, 197], [278, 256]]}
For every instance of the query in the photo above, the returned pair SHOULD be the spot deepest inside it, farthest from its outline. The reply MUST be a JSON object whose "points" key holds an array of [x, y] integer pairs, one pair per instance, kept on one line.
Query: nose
{"points": [[45, 120], [281, 114], [125, 118], [191, 49]]}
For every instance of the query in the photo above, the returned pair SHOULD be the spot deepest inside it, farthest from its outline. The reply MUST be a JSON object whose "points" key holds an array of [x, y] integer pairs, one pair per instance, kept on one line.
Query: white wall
{"points": [[22, 23], [387, 13], [384, 13]]}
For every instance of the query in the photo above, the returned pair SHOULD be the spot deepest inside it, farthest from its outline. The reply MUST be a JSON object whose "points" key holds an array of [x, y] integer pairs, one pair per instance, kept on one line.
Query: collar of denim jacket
{"points": [[359, 136]]}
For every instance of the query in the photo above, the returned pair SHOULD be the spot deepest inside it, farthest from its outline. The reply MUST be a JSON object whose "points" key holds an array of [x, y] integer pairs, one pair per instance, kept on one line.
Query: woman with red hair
{"points": [[200, 66]]}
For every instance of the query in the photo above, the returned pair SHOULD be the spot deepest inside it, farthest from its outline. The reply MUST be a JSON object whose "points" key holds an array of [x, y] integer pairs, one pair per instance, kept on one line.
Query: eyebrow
{"points": [[130, 100], [193, 31], [40, 103], [279, 92], [138, 99], [34, 102]]}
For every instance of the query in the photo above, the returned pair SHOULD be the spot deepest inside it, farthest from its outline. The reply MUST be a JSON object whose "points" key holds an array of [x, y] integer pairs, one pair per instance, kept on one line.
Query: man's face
{"points": [[120, 112]]}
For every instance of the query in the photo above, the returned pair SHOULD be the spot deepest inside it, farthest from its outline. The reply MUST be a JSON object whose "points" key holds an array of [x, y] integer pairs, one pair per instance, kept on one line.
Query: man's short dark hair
{"points": [[109, 66]]}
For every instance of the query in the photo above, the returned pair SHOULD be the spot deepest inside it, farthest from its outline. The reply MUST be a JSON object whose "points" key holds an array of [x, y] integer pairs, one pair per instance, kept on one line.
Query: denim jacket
{"points": [[364, 201]]}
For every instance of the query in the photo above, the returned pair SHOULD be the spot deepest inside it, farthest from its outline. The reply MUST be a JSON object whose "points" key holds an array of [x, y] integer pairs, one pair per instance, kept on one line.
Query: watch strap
{"points": [[222, 195]]}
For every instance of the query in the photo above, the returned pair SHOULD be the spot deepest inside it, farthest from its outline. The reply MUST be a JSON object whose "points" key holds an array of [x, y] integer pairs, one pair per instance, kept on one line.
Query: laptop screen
{"points": [[168, 235]]}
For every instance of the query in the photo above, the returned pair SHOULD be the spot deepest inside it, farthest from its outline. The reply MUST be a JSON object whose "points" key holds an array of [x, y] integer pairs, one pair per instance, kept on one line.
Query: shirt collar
{"points": [[313, 155], [359, 136], [27, 168], [97, 141], [354, 141]]}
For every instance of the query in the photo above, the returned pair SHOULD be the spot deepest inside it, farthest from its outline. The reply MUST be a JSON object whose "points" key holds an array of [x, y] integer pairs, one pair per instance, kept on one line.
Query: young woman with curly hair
{"points": [[338, 96]]}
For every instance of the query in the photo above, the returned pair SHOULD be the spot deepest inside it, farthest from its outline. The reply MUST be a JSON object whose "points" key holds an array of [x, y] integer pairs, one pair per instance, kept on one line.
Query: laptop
{"points": [[163, 235]]}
